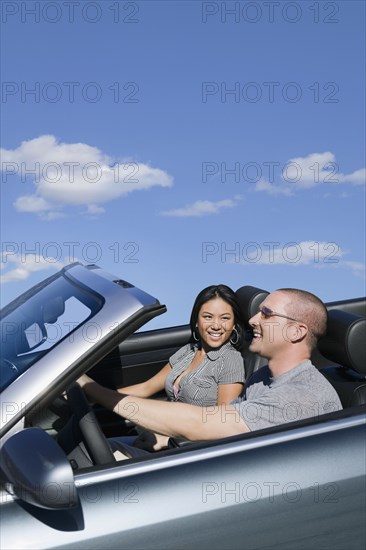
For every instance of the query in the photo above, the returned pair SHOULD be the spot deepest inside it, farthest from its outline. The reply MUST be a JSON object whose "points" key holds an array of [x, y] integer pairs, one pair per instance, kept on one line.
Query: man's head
{"points": [[310, 309], [289, 321]]}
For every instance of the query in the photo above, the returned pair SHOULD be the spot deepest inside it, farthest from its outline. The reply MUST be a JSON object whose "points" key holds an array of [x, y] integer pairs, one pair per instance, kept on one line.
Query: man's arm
{"points": [[170, 419]]}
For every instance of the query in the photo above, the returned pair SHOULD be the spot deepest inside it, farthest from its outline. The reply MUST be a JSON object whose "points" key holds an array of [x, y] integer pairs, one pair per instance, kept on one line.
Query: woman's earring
{"points": [[194, 335], [233, 342]]}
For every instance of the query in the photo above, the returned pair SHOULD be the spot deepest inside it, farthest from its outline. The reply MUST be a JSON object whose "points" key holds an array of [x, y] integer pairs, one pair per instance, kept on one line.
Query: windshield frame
{"points": [[16, 354]]}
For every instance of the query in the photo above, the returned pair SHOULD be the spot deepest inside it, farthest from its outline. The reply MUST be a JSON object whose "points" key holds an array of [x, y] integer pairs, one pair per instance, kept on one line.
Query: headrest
{"points": [[250, 298], [344, 341], [53, 309]]}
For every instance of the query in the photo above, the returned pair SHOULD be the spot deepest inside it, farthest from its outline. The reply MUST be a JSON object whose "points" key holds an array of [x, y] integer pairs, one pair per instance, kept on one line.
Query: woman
{"points": [[206, 372]]}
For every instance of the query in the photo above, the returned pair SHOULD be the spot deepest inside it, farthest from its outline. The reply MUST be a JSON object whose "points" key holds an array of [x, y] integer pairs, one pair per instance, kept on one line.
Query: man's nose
{"points": [[254, 320]]}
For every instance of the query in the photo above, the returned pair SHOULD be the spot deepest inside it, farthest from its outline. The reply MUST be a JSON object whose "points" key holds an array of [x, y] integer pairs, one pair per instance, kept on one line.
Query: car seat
{"points": [[250, 298], [344, 344]]}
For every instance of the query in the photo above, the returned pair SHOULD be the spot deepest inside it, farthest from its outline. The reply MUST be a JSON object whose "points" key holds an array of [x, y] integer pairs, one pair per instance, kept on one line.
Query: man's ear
{"points": [[300, 332], [296, 332]]}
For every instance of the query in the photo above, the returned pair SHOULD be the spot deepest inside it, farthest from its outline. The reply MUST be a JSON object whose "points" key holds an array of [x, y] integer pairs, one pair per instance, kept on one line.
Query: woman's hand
{"points": [[151, 442]]}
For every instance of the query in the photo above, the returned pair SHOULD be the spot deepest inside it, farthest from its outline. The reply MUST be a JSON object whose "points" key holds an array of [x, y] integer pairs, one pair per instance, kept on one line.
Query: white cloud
{"points": [[32, 204], [263, 185], [74, 174], [311, 171], [357, 268], [95, 210], [202, 208], [319, 168], [38, 205], [22, 266], [294, 253], [315, 253], [358, 177]]}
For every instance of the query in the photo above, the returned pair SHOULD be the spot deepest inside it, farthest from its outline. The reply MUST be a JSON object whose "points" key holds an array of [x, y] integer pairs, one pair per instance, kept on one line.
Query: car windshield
{"points": [[38, 321]]}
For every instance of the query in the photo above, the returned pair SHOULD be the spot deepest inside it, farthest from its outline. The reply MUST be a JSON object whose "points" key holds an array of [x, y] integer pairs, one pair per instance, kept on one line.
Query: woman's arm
{"points": [[148, 388]]}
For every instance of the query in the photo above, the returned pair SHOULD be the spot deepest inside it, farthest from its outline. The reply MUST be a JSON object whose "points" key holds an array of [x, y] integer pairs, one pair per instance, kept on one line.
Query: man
{"points": [[285, 331]]}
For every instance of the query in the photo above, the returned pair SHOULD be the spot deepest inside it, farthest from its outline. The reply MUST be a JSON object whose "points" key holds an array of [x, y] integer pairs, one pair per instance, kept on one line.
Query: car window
{"points": [[75, 313], [37, 324]]}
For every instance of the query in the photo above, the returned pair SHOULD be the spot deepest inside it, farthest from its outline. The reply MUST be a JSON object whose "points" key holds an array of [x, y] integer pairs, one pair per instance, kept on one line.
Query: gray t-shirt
{"points": [[200, 385], [302, 392]]}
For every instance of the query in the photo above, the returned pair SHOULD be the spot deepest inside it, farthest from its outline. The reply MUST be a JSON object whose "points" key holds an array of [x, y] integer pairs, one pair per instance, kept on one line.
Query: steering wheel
{"points": [[8, 371], [6, 364], [91, 432]]}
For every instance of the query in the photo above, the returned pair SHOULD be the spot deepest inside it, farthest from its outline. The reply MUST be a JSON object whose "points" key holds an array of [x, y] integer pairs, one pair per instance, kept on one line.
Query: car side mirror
{"points": [[36, 470]]}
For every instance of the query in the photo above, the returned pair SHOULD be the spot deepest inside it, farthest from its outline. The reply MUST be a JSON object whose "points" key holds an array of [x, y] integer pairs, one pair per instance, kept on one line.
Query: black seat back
{"points": [[345, 346], [250, 298]]}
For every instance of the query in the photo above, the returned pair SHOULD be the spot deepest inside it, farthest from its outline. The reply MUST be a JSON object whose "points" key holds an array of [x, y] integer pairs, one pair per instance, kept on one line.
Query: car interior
{"points": [[341, 353], [344, 346], [340, 357]]}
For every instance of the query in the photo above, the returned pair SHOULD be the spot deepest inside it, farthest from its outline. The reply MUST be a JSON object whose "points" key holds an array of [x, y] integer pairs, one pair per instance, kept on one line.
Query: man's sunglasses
{"points": [[266, 313]]}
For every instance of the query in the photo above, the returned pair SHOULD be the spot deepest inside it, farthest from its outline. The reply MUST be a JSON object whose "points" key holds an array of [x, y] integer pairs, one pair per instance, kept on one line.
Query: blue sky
{"points": [[182, 144]]}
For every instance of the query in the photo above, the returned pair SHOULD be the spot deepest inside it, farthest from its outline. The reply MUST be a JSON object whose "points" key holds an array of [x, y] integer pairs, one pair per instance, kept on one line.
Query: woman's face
{"points": [[215, 322]]}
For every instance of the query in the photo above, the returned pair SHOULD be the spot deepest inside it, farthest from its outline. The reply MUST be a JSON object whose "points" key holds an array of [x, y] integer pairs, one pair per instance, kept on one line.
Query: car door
{"points": [[140, 356], [302, 486]]}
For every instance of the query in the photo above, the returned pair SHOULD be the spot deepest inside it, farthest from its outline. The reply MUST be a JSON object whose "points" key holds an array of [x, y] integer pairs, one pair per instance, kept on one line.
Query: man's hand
{"points": [[83, 380], [171, 419]]}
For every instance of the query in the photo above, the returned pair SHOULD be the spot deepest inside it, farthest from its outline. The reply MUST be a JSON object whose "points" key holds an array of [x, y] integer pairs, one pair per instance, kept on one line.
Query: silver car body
{"points": [[297, 486]]}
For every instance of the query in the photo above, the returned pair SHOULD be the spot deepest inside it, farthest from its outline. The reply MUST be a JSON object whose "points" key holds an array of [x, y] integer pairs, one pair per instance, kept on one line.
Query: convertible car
{"points": [[300, 485]]}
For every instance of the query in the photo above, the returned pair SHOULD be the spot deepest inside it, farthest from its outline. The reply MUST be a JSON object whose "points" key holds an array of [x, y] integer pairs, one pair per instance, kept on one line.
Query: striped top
{"points": [[200, 385]]}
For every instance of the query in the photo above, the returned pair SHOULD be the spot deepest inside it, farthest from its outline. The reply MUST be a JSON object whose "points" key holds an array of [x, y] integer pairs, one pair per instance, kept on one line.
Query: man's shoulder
{"points": [[261, 375], [309, 373], [307, 381]]}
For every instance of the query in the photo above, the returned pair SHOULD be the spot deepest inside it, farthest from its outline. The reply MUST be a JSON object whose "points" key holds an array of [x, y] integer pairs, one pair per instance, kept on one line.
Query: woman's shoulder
{"points": [[231, 366], [182, 352], [230, 358], [229, 350]]}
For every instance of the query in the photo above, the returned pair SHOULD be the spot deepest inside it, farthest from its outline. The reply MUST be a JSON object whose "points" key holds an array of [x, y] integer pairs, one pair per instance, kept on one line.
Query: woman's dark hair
{"points": [[228, 295]]}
